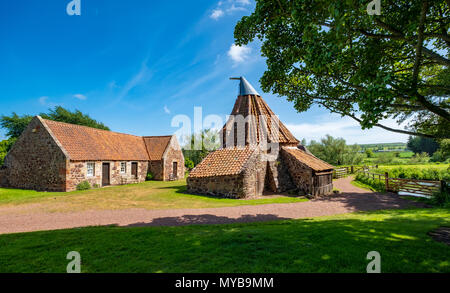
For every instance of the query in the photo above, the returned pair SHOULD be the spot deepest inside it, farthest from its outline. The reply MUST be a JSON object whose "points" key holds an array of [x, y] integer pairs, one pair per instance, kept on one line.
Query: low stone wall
{"points": [[230, 186]]}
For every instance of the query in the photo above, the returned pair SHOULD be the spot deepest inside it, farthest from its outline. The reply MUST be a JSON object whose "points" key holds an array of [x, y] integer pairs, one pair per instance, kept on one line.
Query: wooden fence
{"points": [[344, 171], [414, 186]]}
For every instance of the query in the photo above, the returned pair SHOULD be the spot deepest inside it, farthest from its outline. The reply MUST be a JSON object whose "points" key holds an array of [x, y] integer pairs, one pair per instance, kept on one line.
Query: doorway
{"points": [[105, 174], [134, 170], [175, 170]]}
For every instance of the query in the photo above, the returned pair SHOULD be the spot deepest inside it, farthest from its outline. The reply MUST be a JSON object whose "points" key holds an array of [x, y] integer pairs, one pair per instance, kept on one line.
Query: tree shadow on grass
{"points": [[206, 219]]}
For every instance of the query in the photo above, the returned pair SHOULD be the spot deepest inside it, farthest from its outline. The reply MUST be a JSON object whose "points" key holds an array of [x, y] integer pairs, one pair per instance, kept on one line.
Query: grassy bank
{"points": [[327, 244]]}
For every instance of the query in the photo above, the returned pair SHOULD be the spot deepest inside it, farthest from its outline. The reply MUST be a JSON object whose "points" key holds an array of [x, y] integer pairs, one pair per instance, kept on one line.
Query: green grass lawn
{"points": [[148, 195], [326, 244]]}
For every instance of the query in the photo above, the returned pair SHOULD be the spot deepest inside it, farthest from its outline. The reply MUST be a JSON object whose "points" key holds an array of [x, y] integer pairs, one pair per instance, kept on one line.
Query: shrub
{"points": [[85, 185], [374, 183], [96, 185], [385, 158], [189, 164], [149, 176]]}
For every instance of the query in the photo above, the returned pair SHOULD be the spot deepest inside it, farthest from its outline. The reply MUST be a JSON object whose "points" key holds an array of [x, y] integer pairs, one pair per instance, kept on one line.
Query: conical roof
{"points": [[260, 120]]}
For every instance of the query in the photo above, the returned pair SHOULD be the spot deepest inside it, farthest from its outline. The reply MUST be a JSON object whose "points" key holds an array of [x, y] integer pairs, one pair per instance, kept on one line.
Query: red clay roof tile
{"points": [[228, 161]]}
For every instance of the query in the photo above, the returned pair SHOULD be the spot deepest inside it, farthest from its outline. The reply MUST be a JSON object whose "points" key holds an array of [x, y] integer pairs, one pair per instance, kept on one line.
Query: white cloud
{"points": [[166, 110], [239, 54], [80, 96], [43, 100], [348, 129], [228, 7], [216, 14]]}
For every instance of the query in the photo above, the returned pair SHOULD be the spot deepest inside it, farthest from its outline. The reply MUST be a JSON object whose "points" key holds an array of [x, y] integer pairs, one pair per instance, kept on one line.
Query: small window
{"points": [[90, 169], [123, 167]]}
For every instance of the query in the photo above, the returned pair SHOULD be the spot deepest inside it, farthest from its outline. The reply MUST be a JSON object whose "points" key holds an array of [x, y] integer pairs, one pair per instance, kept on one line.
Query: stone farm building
{"points": [[242, 168], [55, 156]]}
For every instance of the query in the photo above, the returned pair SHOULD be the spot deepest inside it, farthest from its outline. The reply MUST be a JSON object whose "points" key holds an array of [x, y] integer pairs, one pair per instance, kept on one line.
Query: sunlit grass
{"points": [[147, 195], [326, 244]]}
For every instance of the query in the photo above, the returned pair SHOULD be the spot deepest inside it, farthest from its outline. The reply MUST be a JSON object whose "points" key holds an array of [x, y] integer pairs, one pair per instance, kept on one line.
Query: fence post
{"points": [[386, 180], [376, 166], [443, 186], [352, 169]]}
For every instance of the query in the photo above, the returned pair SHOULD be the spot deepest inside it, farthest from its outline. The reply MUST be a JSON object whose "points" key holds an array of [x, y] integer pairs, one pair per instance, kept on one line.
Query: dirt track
{"points": [[350, 200]]}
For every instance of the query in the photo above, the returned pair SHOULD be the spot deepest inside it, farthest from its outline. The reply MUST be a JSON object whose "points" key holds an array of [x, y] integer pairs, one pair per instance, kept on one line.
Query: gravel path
{"points": [[350, 200]]}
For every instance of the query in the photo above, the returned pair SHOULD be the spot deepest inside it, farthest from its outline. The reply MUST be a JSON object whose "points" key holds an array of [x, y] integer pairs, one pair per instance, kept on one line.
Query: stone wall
{"points": [[78, 173], [156, 168], [36, 161], [173, 154], [229, 186], [300, 173]]}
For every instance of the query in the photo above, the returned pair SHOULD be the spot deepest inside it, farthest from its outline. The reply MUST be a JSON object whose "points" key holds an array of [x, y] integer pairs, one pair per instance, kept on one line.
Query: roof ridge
{"points": [[84, 126], [149, 136]]}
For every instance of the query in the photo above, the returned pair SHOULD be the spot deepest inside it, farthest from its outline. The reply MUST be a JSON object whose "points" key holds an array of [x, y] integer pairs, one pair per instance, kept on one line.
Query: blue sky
{"points": [[134, 65]]}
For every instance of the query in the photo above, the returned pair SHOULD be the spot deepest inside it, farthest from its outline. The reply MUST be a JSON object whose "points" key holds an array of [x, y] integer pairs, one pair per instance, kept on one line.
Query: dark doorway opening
{"points": [[105, 174], [175, 169], [134, 168]]}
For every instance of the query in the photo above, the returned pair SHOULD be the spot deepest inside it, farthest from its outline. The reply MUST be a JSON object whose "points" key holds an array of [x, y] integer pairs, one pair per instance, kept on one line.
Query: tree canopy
{"points": [[422, 145], [335, 151], [15, 124], [367, 67]]}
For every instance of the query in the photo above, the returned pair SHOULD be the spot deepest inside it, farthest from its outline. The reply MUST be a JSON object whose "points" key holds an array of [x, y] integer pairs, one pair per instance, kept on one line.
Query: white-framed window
{"points": [[123, 167], [90, 169]]}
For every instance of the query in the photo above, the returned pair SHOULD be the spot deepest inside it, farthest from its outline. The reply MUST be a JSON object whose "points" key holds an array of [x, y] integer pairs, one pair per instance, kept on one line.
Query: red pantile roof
{"points": [[91, 144], [156, 145], [311, 161], [229, 161]]}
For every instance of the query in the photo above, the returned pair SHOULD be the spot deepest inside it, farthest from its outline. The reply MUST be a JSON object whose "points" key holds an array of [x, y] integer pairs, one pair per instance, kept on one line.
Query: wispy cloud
{"points": [[43, 100], [166, 110], [228, 7], [239, 54], [80, 97], [138, 79], [216, 14]]}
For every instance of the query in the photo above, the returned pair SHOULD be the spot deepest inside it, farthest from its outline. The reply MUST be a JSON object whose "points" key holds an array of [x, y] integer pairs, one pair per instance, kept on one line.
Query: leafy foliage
{"points": [[333, 54], [374, 183], [16, 124], [419, 144], [428, 173], [189, 164], [85, 185], [200, 145], [335, 151], [5, 146]]}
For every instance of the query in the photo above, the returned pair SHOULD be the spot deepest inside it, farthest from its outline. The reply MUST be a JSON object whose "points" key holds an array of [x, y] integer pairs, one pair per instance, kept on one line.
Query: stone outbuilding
{"points": [[259, 155], [56, 156]]}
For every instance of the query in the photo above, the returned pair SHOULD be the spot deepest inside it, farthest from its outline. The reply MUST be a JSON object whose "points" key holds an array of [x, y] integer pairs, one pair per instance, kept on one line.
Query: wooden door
{"points": [[175, 169], [134, 170], [105, 174]]}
